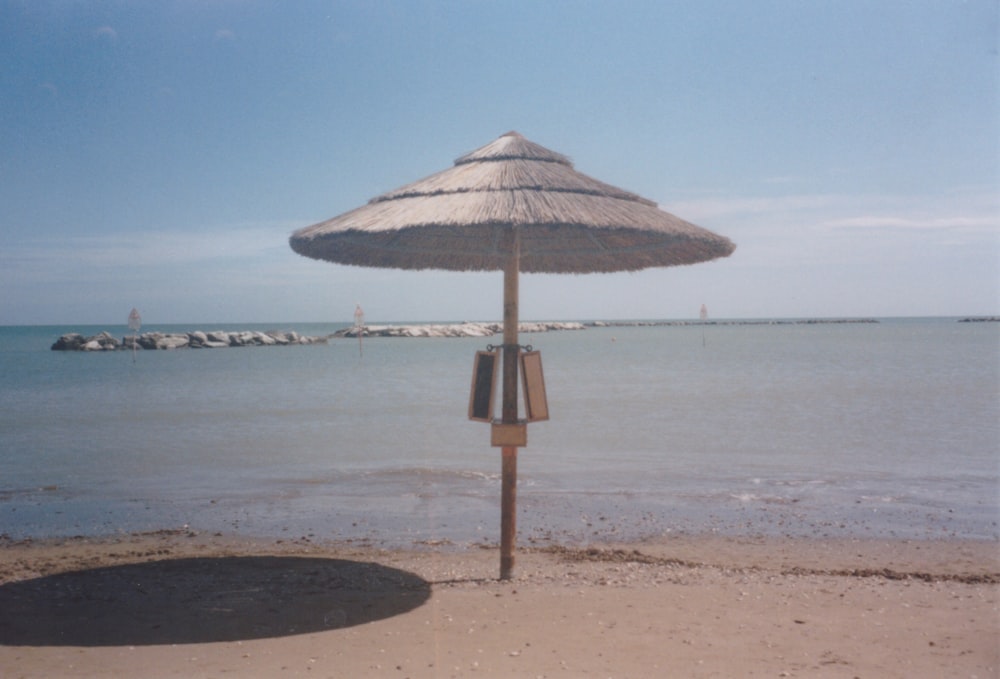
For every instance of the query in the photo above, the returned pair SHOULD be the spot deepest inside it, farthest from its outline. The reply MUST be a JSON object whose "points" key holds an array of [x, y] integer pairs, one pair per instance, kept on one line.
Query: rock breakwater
{"points": [[214, 339], [763, 321], [218, 339], [467, 329]]}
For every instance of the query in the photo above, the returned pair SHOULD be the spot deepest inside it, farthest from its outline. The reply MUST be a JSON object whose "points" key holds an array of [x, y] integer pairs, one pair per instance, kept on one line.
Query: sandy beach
{"points": [[184, 604]]}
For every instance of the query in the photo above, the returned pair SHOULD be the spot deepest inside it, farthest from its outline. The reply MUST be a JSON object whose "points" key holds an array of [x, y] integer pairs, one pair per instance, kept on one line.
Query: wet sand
{"points": [[180, 604]]}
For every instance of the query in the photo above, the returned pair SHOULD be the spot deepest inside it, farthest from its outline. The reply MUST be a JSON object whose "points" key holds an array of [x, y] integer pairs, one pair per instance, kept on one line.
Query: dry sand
{"points": [[176, 604]]}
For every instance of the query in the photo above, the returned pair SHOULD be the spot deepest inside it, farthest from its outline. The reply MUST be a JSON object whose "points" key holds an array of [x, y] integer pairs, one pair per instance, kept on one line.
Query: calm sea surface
{"points": [[846, 430]]}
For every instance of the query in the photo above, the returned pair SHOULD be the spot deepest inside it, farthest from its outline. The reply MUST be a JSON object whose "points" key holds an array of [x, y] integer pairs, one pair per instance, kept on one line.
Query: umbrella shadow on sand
{"points": [[200, 600]]}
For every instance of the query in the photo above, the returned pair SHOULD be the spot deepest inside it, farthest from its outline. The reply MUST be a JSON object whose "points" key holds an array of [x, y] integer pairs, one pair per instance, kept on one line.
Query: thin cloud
{"points": [[224, 34], [782, 180], [175, 248], [106, 33], [844, 230], [969, 210], [908, 223], [714, 208]]}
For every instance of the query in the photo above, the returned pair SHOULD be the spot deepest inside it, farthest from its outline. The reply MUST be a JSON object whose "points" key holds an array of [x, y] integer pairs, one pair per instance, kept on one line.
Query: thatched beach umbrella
{"points": [[510, 206]]}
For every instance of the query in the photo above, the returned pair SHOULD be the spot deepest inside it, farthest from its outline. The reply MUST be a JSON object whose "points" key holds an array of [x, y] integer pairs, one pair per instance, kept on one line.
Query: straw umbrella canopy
{"points": [[464, 219], [511, 206]]}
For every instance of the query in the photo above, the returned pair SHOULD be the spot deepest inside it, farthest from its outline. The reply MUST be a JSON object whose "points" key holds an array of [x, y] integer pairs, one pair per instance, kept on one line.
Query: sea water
{"points": [[886, 429]]}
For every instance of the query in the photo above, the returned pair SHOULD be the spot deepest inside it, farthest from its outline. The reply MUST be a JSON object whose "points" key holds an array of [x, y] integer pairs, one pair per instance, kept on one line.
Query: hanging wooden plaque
{"points": [[484, 377], [536, 404]]}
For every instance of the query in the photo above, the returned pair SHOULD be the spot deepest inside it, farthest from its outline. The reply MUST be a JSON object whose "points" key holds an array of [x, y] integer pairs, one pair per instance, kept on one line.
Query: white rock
{"points": [[172, 342]]}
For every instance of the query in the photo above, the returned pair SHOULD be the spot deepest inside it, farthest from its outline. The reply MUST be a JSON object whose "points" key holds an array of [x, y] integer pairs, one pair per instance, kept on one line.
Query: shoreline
{"points": [[967, 560], [180, 603]]}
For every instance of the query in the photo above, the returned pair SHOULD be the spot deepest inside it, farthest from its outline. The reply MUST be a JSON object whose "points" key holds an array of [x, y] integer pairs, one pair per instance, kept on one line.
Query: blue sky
{"points": [[159, 154]]}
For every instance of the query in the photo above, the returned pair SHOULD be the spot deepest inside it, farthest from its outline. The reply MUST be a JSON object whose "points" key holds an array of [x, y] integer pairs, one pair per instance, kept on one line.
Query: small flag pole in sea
{"points": [[359, 327], [703, 314], [134, 323]]}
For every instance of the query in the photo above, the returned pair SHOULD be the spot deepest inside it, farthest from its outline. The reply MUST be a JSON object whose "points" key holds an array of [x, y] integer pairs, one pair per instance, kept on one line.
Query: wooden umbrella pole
{"points": [[508, 490]]}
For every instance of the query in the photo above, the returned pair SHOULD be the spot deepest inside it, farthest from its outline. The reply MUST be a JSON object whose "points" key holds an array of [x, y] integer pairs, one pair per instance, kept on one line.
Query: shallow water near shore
{"points": [[887, 429]]}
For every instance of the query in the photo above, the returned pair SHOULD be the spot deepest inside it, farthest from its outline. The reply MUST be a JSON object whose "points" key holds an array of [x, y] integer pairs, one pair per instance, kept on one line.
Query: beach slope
{"points": [[180, 604]]}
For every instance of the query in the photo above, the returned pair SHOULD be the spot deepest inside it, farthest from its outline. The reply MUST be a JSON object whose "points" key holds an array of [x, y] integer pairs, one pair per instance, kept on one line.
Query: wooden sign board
{"points": [[536, 404], [509, 435], [484, 376]]}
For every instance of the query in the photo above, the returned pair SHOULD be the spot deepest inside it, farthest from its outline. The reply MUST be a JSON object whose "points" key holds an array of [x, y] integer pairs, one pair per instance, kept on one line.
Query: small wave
{"points": [[429, 474], [767, 499], [390, 475], [9, 494], [796, 483], [880, 498]]}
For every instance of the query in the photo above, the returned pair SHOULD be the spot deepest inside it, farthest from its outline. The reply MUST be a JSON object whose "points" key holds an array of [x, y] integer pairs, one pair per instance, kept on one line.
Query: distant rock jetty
{"points": [[788, 321], [453, 330], [216, 339], [469, 329], [219, 339], [980, 319]]}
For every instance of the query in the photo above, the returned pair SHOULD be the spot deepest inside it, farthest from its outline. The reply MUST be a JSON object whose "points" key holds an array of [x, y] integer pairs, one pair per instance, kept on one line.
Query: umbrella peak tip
{"points": [[513, 146]]}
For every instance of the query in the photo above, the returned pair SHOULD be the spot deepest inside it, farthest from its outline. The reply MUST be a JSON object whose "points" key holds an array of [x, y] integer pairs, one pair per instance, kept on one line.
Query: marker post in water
{"points": [[134, 323], [703, 314], [359, 327]]}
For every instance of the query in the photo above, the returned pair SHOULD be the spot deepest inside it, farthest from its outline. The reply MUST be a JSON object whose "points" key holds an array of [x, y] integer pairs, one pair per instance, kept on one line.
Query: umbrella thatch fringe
{"points": [[464, 218], [555, 249]]}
